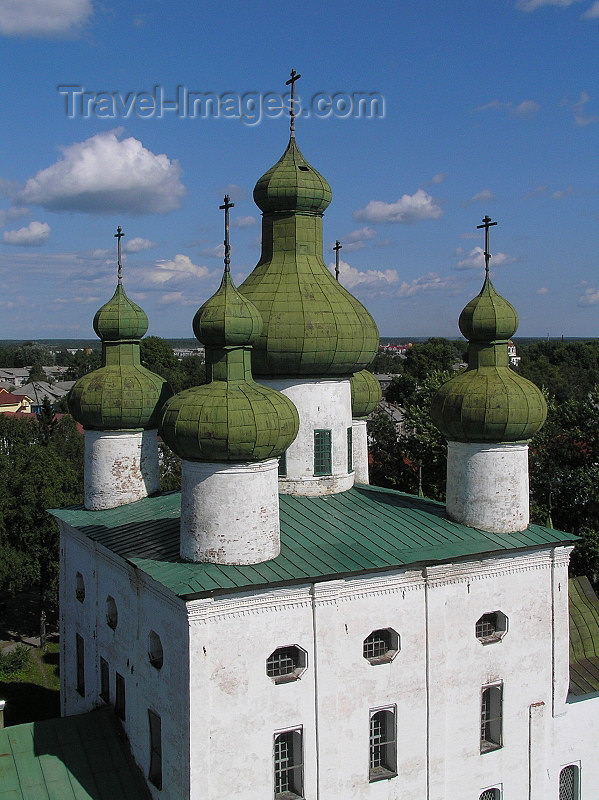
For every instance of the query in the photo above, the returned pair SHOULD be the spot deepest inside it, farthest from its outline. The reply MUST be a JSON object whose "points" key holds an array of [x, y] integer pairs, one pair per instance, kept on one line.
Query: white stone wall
{"points": [[360, 451], [322, 404], [142, 606], [487, 485], [120, 467], [230, 512]]}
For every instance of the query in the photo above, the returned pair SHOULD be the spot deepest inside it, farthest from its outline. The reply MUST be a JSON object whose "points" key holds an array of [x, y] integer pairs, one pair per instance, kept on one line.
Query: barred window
{"points": [[119, 698], [286, 664], [322, 453], [283, 465], [383, 750], [104, 680], [80, 656], [155, 772], [289, 765], [381, 646], [155, 651], [490, 794], [112, 614], [569, 783], [350, 454], [491, 627], [491, 718]]}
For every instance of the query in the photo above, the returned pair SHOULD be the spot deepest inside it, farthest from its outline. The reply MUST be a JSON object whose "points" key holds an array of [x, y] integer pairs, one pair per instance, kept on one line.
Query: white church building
{"points": [[280, 628]]}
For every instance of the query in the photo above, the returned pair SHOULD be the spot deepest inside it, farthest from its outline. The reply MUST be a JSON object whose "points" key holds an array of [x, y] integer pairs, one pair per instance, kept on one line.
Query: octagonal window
{"points": [[112, 614], [155, 652], [79, 587], [381, 646], [286, 664], [491, 627]]}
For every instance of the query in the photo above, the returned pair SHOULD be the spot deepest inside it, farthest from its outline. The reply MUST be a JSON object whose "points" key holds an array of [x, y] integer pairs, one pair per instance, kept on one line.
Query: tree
{"points": [[434, 355], [36, 373], [82, 362], [157, 356]]}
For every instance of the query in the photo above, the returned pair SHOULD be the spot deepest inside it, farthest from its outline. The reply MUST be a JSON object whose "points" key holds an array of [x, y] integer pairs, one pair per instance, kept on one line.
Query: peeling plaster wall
{"points": [[142, 606]]}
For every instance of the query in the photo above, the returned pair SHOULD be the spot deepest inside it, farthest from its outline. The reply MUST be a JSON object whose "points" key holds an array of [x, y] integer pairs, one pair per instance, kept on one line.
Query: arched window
{"points": [[569, 788], [383, 749], [490, 794]]}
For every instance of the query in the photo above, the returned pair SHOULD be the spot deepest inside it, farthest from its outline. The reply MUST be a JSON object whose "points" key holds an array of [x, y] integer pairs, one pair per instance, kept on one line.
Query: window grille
{"points": [[119, 698], [490, 794], [288, 762], [491, 718], [80, 587], [283, 465], [382, 745], [80, 655], [283, 661], [322, 453], [350, 455], [112, 614], [568, 783], [377, 644], [155, 773], [486, 626], [155, 651], [104, 680]]}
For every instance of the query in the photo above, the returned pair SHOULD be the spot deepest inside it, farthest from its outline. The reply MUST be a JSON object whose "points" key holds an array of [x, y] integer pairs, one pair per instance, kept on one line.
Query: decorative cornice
{"points": [[247, 604]]}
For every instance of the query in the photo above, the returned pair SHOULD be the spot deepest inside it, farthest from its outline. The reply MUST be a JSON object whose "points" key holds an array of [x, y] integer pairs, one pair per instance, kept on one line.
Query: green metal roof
{"points": [[364, 529], [85, 757], [584, 637]]}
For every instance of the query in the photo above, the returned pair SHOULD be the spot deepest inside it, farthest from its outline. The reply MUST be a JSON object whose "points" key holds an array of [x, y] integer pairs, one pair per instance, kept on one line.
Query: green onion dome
{"points": [[120, 318], [312, 325], [365, 393], [121, 395], [292, 185], [231, 418], [489, 402]]}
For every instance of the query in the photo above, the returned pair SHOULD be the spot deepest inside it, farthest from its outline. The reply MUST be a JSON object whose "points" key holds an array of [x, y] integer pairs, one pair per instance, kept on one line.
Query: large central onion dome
{"points": [[312, 325], [232, 418], [121, 395], [489, 402]]}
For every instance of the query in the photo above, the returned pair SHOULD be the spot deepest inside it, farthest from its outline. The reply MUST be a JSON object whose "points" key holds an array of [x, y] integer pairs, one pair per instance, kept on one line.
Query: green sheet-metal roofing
{"points": [[84, 757], [489, 402], [584, 637], [362, 530], [227, 318]]}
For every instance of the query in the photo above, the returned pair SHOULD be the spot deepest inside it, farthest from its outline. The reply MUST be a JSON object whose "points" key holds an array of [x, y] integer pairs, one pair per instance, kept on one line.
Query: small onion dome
{"points": [[231, 418], [119, 397], [229, 421], [120, 318], [292, 185], [227, 318], [365, 393], [488, 316], [489, 402]]}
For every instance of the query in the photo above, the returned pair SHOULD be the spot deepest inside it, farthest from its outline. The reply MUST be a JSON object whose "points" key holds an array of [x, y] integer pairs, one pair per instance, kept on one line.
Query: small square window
{"points": [[155, 772], [289, 765], [383, 746], [119, 699], [80, 655], [283, 465], [491, 718]]}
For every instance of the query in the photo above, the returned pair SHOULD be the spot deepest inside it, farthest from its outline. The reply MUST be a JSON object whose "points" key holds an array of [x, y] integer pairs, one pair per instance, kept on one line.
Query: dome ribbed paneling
{"points": [[365, 393]]}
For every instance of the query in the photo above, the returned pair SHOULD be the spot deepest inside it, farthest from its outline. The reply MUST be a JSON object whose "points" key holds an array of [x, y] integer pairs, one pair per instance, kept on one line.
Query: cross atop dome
{"points": [[486, 225], [227, 204], [295, 76], [118, 236]]}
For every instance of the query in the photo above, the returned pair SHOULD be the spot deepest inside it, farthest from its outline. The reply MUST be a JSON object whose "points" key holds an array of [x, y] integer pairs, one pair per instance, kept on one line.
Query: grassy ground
{"points": [[32, 693]]}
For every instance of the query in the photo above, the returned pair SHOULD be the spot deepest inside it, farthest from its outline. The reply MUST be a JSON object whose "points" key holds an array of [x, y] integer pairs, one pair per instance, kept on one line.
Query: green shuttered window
{"points": [[322, 453]]}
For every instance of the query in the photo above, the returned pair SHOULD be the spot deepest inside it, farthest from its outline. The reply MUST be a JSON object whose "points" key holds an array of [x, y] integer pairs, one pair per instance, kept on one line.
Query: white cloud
{"points": [[356, 240], [104, 175], [543, 290], [244, 222], [531, 5], [32, 235], [14, 212], [592, 12], [214, 252], [476, 259], [409, 208], [580, 117], [137, 244], [483, 196], [524, 109], [234, 191], [373, 280], [426, 283], [440, 176], [179, 268], [44, 18], [589, 298], [561, 193]]}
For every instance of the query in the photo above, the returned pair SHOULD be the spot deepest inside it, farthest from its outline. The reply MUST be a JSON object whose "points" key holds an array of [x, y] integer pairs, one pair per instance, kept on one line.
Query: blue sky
{"points": [[489, 108]]}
